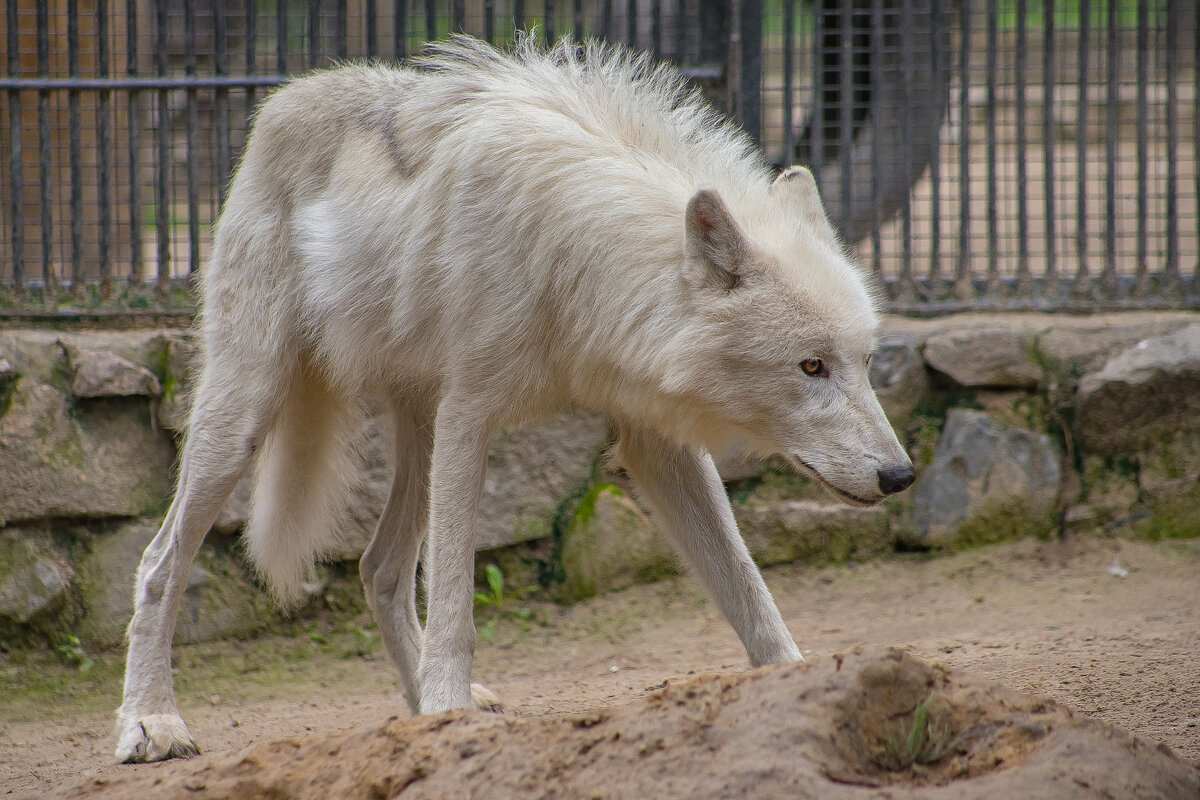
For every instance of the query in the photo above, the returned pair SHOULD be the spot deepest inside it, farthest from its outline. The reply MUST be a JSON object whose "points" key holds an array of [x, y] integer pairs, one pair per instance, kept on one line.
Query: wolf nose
{"points": [[896, 479]]}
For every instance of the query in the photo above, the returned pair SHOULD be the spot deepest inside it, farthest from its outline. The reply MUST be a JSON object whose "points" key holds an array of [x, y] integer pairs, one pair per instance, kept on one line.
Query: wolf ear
{"points": [[715, 248], [796, 189]]}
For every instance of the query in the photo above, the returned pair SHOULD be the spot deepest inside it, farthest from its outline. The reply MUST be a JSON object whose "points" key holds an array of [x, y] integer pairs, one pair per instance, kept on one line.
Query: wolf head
{"points": [[781, 334]]}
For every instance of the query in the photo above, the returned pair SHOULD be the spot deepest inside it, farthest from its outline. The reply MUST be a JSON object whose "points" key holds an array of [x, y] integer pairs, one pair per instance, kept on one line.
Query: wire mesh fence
{"points": [[974, 153]]}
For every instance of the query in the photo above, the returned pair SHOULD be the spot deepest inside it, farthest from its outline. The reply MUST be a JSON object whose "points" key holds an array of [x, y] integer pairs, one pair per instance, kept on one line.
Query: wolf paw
{"points": [[154, 737], [485, 700]]}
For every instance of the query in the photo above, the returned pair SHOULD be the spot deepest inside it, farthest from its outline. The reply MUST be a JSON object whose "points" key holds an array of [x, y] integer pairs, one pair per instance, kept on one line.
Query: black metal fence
{"points": [[975, 153]]}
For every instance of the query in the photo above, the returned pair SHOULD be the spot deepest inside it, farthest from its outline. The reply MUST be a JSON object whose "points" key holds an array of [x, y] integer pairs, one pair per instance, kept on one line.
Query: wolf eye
{"points": [[867, 363], [812, 366]]}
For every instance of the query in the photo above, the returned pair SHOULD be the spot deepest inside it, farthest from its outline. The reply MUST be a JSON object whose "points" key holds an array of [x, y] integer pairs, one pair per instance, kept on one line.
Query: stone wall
{"points": [[1019, 424]]}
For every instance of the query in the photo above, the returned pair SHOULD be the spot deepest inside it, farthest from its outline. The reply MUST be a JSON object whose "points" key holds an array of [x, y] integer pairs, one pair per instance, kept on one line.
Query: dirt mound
{"points": [[836, 728]]}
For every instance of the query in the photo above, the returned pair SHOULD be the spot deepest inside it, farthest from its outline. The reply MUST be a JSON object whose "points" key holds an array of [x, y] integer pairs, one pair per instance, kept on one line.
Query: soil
{"points": [[1023, 656]]}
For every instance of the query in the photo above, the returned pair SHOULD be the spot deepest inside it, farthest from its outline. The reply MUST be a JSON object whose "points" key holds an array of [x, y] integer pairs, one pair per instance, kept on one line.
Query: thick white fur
{"points": [[488, 239]]}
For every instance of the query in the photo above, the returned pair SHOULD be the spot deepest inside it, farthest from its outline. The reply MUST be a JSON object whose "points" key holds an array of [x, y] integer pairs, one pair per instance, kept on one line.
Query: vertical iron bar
{"points": [[714, 32], [631, 23], [75, 153], [221, 65], [935, 160], [518, 15], [16, 155], [907, 285], [193, 124], [341, 45], [1172, 265], [846, 97], [789, 68], [876, 132], [548, 24], [1143, 111], [458, 15], [1082, 283], [281, 36], [372, 12], [964, 289], [1024, 280], [252, 51], [656, 28], [606, 21], [314, 32], [750, 70], [817, 115], [1048, 84], [162, 212], [577, 17], [681, 21], [1108, 281], [994, 288], [400, 29], [136, 267], [430, 20], [49, 278], [489, 21]]}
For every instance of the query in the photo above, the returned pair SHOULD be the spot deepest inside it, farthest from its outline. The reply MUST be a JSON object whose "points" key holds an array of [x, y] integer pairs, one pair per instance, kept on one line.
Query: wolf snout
{"points": [[896, 479]]}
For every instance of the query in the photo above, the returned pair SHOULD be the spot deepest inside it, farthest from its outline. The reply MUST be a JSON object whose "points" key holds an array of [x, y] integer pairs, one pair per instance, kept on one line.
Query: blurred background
{"points": [[975, 153]]}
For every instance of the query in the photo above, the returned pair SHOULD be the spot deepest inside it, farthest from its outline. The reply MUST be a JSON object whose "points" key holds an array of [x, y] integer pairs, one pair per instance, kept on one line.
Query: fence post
{"points": [[746, 46]]}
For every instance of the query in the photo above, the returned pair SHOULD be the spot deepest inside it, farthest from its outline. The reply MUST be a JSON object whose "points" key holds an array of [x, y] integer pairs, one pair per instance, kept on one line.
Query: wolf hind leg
{"points": [[684, 492], [229, 418], [389, 564]]}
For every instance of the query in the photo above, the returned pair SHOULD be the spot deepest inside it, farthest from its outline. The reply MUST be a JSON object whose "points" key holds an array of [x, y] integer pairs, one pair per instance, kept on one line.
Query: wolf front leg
{"points": [[460, 445], [389, 564], [684, 492]]}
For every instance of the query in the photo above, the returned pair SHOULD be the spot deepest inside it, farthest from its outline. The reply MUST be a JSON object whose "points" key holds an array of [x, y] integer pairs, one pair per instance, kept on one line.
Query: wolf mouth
{"points": [[848, 497]]}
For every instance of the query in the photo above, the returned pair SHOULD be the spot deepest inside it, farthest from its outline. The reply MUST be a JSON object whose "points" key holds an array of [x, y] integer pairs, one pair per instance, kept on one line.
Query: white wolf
{"points": [[490, 238]]}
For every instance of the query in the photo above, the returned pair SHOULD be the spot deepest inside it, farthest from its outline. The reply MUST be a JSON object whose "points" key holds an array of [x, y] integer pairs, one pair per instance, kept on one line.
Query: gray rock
{"points": [[8, 372], [182, 352], [369, 493], [983, 467], [38, 354], [99, 373], [220, 599], [531, 471], [34, 579], [1141, 395], [898, 375], [1083, 346], [779, 531], [993, 356], [60, 461], [1170, 466], [737, 465], [612, 545], [237, 508]]}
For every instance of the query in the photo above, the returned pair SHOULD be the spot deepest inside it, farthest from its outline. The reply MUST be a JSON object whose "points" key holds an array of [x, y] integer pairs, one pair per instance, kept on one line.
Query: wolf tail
{"points": [[301, 479]]}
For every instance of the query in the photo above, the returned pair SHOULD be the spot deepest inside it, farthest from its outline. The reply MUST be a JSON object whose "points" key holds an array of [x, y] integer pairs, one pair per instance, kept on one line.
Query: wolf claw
{"points": [[154, 737], [485, 700]]}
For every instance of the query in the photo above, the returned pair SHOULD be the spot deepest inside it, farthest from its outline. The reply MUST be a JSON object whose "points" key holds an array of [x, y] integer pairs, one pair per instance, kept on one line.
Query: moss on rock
{"points": [[1003, 520], [611, 544], [779, 531], [1172, 517]]}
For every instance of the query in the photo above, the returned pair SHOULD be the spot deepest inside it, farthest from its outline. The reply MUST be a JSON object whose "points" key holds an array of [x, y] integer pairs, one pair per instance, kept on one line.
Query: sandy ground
{"points": [[1043, 618]]}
